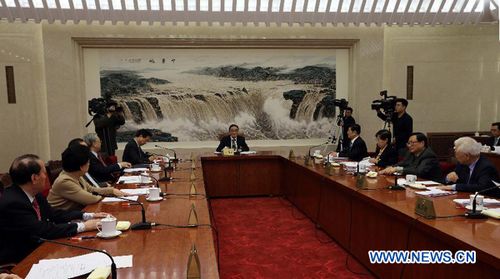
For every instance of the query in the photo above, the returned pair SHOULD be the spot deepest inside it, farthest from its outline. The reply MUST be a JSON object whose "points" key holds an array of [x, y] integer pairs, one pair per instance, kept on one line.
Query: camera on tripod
{"points": [[99, 106], [341, 103], [386, 104]]}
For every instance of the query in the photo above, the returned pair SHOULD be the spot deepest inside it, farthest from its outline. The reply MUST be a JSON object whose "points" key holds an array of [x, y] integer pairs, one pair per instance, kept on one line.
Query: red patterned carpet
{"points": [[268, 238]]}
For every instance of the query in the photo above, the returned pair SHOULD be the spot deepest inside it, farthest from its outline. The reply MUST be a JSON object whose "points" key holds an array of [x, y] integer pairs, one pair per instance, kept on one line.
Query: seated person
{"points": [[233, 140], [70, 191], [387, 155], [9, 276], [473, 173], [98, 169], [356, 150], [494, 140], [133, 152], [420, 160], [26, 214]]}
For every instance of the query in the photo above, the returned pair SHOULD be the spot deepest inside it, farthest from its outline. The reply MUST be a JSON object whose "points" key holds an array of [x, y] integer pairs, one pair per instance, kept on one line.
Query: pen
{"points": [[83, 237]]}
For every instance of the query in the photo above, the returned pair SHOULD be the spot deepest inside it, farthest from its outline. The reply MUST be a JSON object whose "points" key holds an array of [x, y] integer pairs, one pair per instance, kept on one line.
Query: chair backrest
{"points": [[54, 168], [222, 135], [5, 181]]}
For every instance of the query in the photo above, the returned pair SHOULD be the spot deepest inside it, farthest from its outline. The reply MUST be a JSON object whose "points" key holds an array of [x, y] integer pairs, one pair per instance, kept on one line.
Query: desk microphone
{"points": [[152, 177], [175, 160], [113, 265], [473, 214], [316, 146], [396, 186], [141, 225]]}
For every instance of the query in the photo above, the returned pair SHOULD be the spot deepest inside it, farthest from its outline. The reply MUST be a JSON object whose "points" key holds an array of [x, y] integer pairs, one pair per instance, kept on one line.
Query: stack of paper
{"points": [[248, 152], [111, 199], [434, 192], [486, 202], [132, 179], [138, 191], [75, 266], [135, 170], [427, 183], [493, 213]]}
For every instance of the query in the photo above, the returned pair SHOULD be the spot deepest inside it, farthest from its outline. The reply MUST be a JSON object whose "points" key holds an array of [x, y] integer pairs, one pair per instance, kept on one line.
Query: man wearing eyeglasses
{"points": [[420, 160]]}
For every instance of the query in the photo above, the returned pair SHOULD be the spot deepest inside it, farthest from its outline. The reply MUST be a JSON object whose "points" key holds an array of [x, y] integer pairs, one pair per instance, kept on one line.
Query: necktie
{"points": [[496, 141], [233, 143], [36, 207]]}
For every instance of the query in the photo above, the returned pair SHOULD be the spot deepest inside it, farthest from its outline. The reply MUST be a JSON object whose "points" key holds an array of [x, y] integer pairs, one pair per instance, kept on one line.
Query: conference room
{"points": [[249, 139]]}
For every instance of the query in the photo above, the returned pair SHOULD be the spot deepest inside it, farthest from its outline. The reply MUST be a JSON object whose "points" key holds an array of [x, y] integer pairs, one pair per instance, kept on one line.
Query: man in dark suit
{"points": [[133, 152], [25, 214], [494, 140], [356, 150], [420, 160], [473, 173], [233, 140], [402, 124], [98, 169], [347, 121]]}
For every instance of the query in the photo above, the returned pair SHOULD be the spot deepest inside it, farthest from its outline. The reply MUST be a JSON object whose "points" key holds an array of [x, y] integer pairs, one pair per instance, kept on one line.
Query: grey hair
{"points": [[89, 139], [468, 145]]}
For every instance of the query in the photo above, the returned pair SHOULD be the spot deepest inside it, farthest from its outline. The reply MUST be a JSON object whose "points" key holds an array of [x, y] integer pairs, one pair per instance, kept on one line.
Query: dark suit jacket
{"points": [[402, 128], [424, 166], [19, 223], [481, 177], [106, 127], [357, 151], [226, 141], [134, 154], [389, 156], [491, 141], [100, 172], [348, 121]]}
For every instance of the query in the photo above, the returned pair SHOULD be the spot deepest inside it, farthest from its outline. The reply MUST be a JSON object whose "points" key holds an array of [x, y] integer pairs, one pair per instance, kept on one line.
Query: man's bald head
{"points": [[24, 167]]}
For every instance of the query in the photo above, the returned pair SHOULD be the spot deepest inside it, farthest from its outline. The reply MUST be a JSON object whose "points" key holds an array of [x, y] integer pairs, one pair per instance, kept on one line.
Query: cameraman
{"points": [[347, 121], [107, 124], [402, 124]]}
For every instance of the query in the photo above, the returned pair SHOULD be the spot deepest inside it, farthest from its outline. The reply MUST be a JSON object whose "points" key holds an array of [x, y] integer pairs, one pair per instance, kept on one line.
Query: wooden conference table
{"points": [[157, 253], [362, 219], [357, 219]]}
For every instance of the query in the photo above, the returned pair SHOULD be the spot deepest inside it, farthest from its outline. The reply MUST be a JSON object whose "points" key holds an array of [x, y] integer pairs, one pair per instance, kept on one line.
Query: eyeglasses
{"points": [[412, 142]]}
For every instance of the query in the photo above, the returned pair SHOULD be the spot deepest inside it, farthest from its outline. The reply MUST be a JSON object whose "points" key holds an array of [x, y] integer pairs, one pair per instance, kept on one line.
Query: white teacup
{"points": [[107, 226], [479, 202], [154, 193], [155, 167], [411, 178]]}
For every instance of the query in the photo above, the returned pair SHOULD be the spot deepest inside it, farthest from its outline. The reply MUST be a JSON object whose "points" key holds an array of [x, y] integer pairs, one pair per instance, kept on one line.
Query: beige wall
{"points": [[453, 65]]}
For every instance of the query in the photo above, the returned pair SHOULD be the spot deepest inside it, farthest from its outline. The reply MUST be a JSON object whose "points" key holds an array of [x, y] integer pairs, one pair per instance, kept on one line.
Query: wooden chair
{"points": [[54, 168]]}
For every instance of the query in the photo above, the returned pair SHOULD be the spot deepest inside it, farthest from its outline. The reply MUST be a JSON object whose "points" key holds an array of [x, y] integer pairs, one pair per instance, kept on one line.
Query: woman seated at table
{"points": [[70, 190], [387, 155]]}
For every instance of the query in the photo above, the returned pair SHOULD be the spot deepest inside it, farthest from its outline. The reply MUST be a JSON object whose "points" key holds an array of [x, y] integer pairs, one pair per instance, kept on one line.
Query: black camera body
{"points": [[387, 103], [341, 103], [100, 106]]}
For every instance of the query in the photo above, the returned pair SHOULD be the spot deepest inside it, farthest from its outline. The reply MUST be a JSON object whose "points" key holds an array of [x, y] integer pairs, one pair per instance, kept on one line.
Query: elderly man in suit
{"points": [[25, 214], [233, 140], [98, 169], [133, 152], [473, 173], [356, 150], [420, 160]]}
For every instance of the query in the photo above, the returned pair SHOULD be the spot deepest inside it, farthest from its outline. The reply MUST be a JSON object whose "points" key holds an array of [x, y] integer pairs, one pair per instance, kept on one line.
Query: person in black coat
{"points": [[233, 140], [386, 153], [402, 124], [98, 169], [473, 173], [356, 151], [133, 152], [494, 140], [347, 121], [25, 214], [420, 160], [107, 124]]}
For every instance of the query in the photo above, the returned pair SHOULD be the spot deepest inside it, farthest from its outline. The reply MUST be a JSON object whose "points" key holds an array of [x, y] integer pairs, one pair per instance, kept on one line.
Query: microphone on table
{"points": [[175, 160], [113, 265], [316, 146], [473, 214], [396, 186], [143, 225], [152, 177]]}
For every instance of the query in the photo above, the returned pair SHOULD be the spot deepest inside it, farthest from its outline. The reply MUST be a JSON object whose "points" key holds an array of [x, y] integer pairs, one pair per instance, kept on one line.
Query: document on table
{"points": [[486, 202], [138, 191], [135, 170], [75, 266], [427, 183], [132, 179], [111, 199], [248, 152], [435, 192]]}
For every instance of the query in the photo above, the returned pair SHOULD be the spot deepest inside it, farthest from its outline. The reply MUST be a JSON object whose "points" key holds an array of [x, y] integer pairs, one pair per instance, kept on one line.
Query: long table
{"points": [[157, 253], [360, 220]]}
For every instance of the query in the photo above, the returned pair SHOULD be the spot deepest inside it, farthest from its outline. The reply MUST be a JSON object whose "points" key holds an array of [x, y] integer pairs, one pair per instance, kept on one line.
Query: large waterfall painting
{"points": [[194, 94]]}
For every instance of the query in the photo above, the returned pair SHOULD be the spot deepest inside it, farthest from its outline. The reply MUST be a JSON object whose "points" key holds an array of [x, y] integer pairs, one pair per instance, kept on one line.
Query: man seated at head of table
{"points": [[98, 169], [233, 140], [356, 149], [420, 160], [473, 172], [25, 214], [133, 152], [70, 191]]}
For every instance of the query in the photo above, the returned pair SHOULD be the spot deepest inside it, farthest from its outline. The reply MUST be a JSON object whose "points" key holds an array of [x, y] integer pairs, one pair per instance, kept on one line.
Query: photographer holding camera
{"points": [[106, 125], [402, 122]]}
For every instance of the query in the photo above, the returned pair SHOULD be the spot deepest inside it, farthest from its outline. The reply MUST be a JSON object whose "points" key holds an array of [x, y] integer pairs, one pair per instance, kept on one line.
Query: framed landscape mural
{"points": [[194, 94]]}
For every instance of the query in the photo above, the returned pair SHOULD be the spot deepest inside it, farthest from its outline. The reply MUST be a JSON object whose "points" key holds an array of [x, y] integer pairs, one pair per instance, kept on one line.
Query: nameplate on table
{"points": [[425, 207]]}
